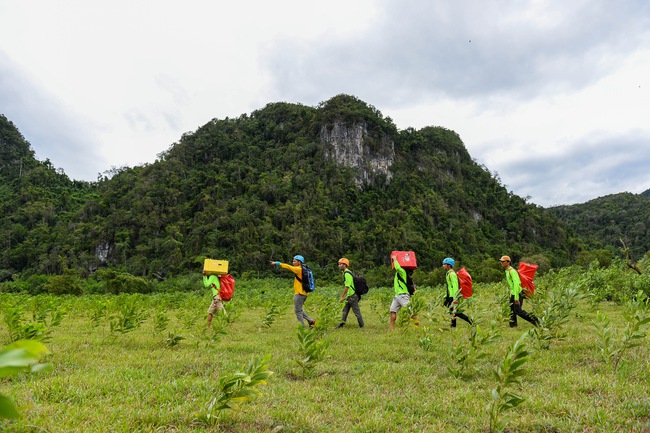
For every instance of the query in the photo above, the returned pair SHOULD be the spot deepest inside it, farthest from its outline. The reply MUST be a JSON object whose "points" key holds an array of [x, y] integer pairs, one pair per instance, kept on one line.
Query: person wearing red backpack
{"points": [[516, 296], [213, 282], [453, 292]]}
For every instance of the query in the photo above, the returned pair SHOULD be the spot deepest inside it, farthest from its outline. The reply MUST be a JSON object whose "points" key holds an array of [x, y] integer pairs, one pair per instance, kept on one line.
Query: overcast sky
{"points": [[553, 96]]}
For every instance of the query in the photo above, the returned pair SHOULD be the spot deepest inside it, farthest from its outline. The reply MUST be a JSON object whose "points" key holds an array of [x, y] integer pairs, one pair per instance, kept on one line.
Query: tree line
{"points": [[261, 186]]}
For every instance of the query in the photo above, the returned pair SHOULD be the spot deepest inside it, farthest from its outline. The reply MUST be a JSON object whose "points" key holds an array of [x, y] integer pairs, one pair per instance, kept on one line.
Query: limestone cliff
{"points": [[352, 146]]}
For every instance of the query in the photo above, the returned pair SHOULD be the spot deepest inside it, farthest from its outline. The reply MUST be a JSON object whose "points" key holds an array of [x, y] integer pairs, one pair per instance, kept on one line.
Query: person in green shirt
{"points": [[453, 292], [516, 297], [212, 281], [349, 296], [402, 296]]}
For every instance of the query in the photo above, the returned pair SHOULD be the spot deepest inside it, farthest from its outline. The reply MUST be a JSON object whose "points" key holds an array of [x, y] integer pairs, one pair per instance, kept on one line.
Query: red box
{"points": [[406, 259]]}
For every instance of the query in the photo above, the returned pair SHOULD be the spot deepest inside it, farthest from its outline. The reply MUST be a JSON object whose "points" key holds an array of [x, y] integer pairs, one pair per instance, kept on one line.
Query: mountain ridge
{"points": [[327, 181], [612, 222]]}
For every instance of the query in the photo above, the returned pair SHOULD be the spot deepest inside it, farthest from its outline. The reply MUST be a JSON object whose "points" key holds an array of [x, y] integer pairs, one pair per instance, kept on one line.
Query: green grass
{"points": [[371, 380]]}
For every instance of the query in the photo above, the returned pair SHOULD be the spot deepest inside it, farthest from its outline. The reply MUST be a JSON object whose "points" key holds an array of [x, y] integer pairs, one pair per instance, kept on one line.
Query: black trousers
{"points": [[448, 303], [517, 310]]}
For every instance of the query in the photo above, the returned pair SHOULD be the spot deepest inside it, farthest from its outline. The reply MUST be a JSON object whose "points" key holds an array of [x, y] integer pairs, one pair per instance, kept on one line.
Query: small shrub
{"points": [[465, 356], [311, 350], [45, 318], [66, 284], [426, 342], [160, 322], [36, 284], [238, 388], [557, 308], [507, 375], [613, 346], [272, 312], [329, 313], [128, 318], [173, 339], [409, 315], [119, 282], [379, 305]]}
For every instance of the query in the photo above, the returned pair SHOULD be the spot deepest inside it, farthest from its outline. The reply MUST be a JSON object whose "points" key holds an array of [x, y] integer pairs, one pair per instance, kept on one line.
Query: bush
{"points": [[488, 271], [5, 274], [120, 282], [66, 284], [36, 284], [602, 257], [10, 287], [616, 283], [432, 278], [182, 283], [641, 283], [94, 287]]}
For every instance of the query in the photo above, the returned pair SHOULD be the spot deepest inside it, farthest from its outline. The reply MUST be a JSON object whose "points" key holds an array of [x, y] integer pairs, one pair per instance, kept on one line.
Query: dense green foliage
{"points": [[260, 187], [39, 211], [608, 222]]}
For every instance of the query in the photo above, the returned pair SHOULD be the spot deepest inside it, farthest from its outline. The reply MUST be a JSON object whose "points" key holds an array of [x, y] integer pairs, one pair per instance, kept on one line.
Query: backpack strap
{"points": [[401, 280], [296, 275], [347, 271]]}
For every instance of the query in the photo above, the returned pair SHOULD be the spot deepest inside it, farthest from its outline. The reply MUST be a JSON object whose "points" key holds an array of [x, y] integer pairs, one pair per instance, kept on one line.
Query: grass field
{"points": [[144, 378]]}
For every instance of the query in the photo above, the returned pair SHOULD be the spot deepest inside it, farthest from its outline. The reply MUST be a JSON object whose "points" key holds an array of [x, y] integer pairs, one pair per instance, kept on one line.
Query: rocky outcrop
{"points": [[352, 146]]}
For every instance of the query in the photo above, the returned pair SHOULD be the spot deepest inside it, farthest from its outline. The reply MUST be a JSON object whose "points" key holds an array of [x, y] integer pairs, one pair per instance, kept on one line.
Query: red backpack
{"points": [[465, 282], [526, 274], [227, 287]]}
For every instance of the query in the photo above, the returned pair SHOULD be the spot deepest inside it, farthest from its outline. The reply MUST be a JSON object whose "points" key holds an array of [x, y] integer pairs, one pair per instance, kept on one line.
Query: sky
{"points": [[552, 97]]}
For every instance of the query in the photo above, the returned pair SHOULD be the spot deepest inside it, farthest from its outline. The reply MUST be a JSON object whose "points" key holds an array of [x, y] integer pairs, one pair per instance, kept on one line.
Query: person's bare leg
{"points": [[393, 317], [209, 321]]}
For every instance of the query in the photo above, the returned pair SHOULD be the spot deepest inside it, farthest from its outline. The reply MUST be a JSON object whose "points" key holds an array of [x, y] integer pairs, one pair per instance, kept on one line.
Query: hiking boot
{"points": [[341, 325], [312, 323]]}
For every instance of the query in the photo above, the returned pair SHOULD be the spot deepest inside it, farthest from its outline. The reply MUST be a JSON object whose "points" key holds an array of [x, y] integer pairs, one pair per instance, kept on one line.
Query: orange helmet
{"points": [[345, 261]]}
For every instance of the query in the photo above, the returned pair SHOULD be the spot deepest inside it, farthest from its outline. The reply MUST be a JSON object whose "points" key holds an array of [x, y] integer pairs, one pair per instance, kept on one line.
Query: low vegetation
{"points": [[144, 363]]}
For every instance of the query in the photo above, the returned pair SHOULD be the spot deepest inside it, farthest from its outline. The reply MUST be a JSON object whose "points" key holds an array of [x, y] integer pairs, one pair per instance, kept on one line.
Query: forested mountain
{"points": [[608, 222], [327, 181], [38, 207]]}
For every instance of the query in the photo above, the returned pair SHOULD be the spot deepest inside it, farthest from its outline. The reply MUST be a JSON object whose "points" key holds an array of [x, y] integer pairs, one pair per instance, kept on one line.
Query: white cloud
{"points": [[67, 141], [533, 83]]}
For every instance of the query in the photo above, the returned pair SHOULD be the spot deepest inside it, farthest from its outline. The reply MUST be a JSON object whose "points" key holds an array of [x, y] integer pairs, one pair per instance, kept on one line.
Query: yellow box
{"points": [[216, 267]]}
